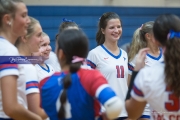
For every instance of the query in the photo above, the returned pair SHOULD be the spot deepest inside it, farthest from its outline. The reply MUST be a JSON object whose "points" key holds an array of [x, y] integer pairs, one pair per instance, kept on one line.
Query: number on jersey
{"points": [[174, 102], [120, 71]]}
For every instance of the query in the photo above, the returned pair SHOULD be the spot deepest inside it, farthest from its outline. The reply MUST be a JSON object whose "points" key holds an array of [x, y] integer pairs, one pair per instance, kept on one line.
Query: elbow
{"points": [[10, 110], [113, 107]]}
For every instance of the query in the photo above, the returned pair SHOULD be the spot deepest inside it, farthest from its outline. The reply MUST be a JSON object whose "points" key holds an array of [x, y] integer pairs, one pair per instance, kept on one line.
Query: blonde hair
{"points": [[30, 29], [44, 34], [139, 39]]}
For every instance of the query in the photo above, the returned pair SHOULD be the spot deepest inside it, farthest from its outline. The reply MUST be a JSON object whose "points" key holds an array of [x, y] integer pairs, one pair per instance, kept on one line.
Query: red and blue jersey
{"points": [[87, 90]]}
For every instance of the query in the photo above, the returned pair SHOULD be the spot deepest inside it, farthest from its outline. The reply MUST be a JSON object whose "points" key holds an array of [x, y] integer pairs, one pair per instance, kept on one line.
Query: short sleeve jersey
{"points": [[114, 68], [8, 49], [87, 86], [150, 86]]}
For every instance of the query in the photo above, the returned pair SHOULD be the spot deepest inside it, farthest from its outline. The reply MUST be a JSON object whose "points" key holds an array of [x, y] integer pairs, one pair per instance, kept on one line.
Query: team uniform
{"points": [[149, 85], [149, 61], [53, 61], [8, 49], [87, 86], [43, 72], [114, 68], [32, 82]]}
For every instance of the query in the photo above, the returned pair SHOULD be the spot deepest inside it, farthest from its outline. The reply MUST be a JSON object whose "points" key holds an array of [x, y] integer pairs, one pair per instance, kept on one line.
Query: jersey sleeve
{"points": [[97, 86], [9, 69], [139, 87], [32, 83], [92, 59], [131, 65]]}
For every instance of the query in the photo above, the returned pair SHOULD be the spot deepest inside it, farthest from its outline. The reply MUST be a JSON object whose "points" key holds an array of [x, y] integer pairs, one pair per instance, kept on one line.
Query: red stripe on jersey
{"points": [[130, 67], [137, 91], [89, 63], [32, 84], [8, 66], [42, 82]]}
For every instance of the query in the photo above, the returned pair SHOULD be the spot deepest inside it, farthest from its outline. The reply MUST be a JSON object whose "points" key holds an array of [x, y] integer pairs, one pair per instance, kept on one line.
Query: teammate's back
{"points": [[74, 93]]}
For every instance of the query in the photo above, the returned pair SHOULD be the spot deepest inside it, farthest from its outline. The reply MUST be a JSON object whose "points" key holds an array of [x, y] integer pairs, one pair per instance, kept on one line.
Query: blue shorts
{"points": [[145, 116]]}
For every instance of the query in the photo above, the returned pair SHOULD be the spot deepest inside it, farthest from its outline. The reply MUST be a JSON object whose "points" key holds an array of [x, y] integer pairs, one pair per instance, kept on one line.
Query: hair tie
{"points": [[173, 34], [66, 20], [141, 27], [77, 59]]}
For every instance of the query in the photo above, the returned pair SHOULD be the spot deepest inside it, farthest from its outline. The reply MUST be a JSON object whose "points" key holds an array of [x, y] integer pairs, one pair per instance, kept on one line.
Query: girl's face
{"points": [[35, 40], [21, 20], [113, 30], [45, 47]]}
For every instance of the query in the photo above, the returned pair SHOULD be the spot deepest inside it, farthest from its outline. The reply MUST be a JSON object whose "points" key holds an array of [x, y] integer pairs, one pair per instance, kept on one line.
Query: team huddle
{"points": [[73, 83]]}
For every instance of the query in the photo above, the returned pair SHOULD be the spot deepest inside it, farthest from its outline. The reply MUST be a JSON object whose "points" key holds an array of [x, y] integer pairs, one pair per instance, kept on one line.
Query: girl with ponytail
{"points": [[159, 84], [75, 92]]}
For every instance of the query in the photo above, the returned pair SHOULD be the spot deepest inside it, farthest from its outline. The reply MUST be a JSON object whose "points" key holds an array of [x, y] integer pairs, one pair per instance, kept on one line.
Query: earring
{"points": [[9, 23]]}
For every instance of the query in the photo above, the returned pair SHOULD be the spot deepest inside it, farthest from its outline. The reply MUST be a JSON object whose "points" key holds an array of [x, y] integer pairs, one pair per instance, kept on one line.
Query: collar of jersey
{"points": [[155, 58], [47, 70], [116, 57], [2, 38]]}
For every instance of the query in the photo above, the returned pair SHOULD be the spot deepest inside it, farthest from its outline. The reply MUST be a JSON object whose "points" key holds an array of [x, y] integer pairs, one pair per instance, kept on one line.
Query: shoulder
{"points": [[91, 80], [88, 72], [124, 53], [153, 73], [29, 67], [91, 76], [96, 50], [6, 48], [50, 81]]}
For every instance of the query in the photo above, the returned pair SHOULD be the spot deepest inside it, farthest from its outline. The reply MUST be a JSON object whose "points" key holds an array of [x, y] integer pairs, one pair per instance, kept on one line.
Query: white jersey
{"points": [[42, 72], [114, 68], [8, 49], [149, 61], [53, 61], [32, 83], [149, 85]]}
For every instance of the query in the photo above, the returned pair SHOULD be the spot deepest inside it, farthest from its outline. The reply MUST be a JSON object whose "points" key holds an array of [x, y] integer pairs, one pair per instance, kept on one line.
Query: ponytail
{"points": [[137, 44], [100, 37], [139, 40], [172, 65], [74, 67]]}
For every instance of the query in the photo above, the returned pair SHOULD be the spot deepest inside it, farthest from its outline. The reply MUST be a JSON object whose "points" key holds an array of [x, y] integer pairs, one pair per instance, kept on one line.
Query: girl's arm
{"points": [[11, 106], [33, 100]]}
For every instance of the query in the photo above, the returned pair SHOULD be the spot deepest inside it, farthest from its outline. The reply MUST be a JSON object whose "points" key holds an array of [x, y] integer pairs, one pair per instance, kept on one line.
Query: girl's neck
{"points": [[43, 65], [112, 46], [65, 68], [154, 50], [9, 37], [23, 50]]}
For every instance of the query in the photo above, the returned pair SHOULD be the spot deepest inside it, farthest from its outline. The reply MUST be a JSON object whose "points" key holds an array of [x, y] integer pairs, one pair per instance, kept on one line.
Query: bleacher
{"points": [[87, 18]]}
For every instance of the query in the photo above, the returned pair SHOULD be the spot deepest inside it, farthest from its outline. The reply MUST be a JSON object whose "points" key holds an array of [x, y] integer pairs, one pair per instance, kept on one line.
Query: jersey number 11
{"points": [[120, 71]]}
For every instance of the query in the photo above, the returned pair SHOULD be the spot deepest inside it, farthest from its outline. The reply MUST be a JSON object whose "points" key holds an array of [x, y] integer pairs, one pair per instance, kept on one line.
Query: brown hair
{"points": [[162, 26], [100, 38], [73, 43]]}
